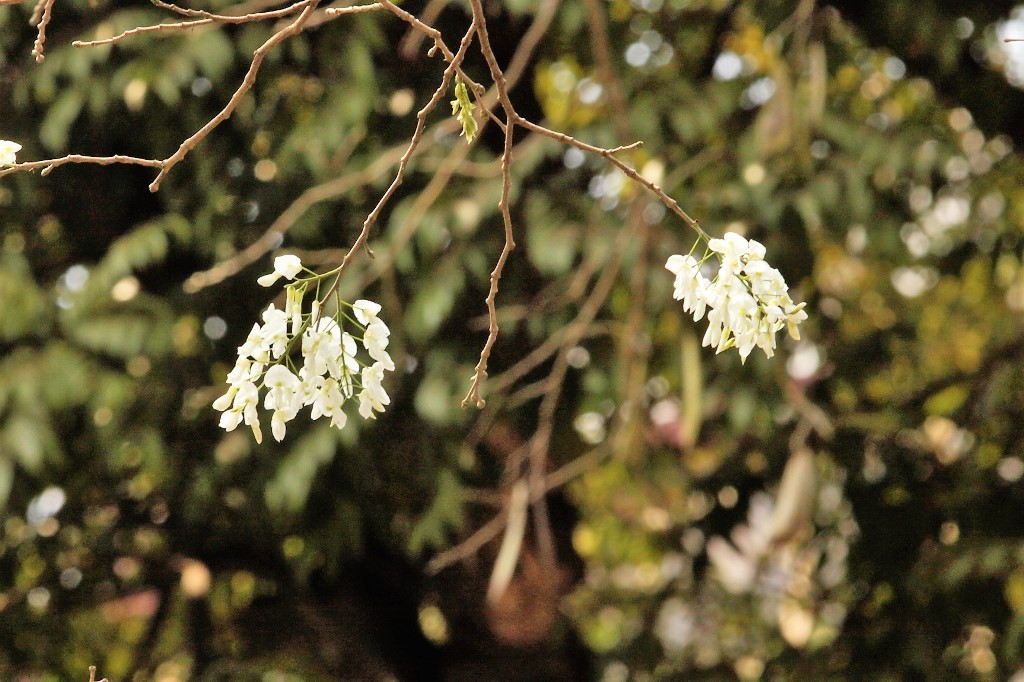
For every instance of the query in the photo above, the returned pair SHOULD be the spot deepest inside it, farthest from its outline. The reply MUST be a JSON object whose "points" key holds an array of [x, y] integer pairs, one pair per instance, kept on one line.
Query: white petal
{"points": [[287, 266], [224, 402], [339, 419], [277, 425], [365, 311]]}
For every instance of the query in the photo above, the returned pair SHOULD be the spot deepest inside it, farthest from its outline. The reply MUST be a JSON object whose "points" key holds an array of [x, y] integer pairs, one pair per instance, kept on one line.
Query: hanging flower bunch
{"points": [[300, 358], [746, 302]]}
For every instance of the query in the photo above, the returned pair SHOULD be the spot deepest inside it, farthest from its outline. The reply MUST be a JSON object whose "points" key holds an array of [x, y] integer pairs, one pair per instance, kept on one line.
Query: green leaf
{"points": [[289, 489], [435, 299], [462, 109], [213, 52], [433, 399], [123, 335], [443, 515], [6, 480], [31, 440], [24, 304], [53, 131]]}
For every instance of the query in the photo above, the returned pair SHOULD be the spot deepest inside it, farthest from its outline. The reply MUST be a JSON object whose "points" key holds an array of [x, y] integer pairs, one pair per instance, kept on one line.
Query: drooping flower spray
{"points": [[747, 302], [299, 358]]}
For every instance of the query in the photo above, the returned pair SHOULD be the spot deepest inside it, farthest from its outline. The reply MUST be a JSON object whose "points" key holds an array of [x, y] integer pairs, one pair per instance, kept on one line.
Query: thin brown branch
{"points": [[232, 16], [490, 530], [452, 163], [324, 15], [511, 117], [555, 341], [480, 371], [410, 44], [630, 172], [271, 238], [140, 30], [39, 47], [37, 12], [424, 200], [206, 18], [49, 164], [421, 117], [250, 78], [427, 30]]}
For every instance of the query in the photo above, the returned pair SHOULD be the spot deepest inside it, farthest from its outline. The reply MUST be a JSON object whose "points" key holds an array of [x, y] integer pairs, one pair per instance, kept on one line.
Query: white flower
{"points": [[366, 311], [732, 248], [367, 406], [274, 332], [327, 399], [277, 425], [253, 346], [373, 396], [372, 379], [327, 370], [8, 150], [283, 390], [690, 285], [293, 308], [349, 348], [339, 419], [795, 315], [375, 340], [284, 266], [321, 346], [748, 301], [243, 408]]}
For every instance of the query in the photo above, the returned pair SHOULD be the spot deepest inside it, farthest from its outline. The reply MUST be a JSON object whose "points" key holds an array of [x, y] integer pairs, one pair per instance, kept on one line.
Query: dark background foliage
{"points": [[869, 145]]}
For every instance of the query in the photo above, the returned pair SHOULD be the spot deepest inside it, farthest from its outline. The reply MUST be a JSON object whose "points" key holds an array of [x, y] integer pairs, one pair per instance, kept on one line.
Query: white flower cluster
{"points": [[330, 372], [746, 303], [8, 152]]}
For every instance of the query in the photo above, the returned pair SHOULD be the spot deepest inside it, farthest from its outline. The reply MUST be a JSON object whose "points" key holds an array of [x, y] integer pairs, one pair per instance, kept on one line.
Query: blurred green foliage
{"points": [[870, 146]]}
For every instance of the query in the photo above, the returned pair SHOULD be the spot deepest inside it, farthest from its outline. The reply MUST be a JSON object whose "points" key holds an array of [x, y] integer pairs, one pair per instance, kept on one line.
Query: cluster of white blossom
{"points": [[8, 152], [329, 373], [747, 302]]}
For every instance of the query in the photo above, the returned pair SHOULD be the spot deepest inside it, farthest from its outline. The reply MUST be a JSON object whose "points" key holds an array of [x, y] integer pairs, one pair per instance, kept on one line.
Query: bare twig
{"points": [[165, 165], [511, 117], [247, 83], [411, 42], [39, 46], [48, 165], [139, 30], [206, 18], [284, 222], [490, 530], [630, 172], [421, 116]]}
